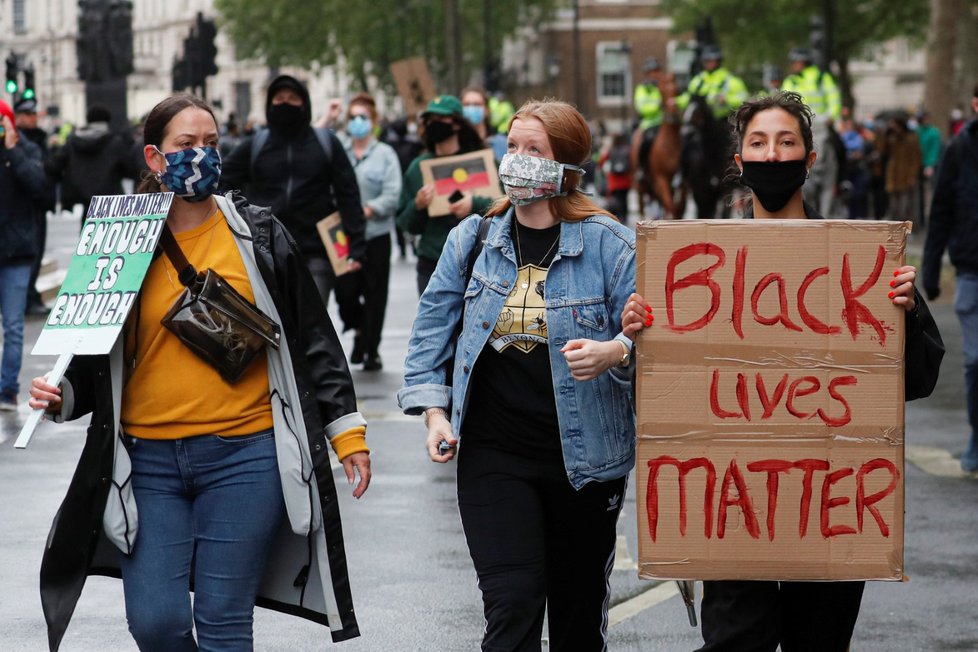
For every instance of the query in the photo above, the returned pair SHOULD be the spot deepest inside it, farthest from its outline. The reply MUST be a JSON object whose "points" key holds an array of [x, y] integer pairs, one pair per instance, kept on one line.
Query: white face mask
{"points": [[527, 179]]}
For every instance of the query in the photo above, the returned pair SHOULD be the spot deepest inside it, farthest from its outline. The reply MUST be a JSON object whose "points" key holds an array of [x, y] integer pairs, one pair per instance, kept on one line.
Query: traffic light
{"points": [[206, 47], [28, 93], [12, 85], [816, 37], [180, 81]]}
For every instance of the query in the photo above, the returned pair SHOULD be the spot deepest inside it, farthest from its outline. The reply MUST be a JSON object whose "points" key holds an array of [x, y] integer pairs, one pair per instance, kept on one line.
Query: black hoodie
{"points": [[291, 175]]}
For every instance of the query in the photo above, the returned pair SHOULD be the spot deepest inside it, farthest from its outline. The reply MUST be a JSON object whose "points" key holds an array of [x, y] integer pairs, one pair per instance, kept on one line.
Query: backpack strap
{"points": [[324, 136], [257, 143]]}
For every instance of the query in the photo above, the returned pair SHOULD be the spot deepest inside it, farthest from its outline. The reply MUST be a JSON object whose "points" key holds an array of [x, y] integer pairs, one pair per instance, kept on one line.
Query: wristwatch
{"points": [[626, 355]]}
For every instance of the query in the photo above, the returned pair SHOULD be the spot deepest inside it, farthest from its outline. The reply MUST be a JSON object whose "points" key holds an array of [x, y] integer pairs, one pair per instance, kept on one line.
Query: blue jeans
{"points": [[966, 305], [209, 508], [13, 303]]}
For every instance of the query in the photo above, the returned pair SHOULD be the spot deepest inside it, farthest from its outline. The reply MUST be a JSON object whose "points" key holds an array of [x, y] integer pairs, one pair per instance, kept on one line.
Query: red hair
{"points": [[570, 140]]}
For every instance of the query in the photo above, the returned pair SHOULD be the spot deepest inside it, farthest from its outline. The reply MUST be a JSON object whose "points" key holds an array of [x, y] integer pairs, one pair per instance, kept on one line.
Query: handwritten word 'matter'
{"points": [[734, 492], [854, 312]]}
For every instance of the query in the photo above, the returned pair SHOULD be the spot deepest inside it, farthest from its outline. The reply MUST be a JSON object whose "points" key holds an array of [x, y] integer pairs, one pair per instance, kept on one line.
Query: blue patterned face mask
{"points": [[192, 174]]}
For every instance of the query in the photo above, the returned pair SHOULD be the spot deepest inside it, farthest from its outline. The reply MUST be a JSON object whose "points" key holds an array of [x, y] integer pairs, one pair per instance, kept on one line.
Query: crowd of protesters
{"points": [[369, 172]]}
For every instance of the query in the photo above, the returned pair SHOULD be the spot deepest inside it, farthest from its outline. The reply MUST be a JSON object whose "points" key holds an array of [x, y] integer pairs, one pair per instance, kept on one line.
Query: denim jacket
{"points": [[587, 287]]}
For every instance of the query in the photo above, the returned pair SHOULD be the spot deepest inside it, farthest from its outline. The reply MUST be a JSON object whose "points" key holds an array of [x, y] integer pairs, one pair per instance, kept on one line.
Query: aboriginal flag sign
{"points": [[472, 174], [337, 245]]}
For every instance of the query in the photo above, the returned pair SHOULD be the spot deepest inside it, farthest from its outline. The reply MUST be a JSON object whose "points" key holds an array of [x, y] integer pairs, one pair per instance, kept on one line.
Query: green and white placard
{"points": [[114, 251]]}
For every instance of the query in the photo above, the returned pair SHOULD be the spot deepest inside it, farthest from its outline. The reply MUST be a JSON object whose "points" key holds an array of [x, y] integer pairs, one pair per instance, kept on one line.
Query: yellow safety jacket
{"points": [[648, 104], [818, 90], [723, 91], [500, 113]]}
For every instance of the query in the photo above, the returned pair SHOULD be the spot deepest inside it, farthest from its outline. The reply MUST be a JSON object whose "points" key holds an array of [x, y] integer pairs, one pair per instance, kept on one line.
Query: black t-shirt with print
{"points": [[511, 403]]}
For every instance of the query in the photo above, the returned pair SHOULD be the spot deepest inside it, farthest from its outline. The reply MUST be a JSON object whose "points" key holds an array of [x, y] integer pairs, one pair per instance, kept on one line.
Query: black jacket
{"points": [[292, 176], [22, 185], [954, 211], [92, 162], [77, 545]]}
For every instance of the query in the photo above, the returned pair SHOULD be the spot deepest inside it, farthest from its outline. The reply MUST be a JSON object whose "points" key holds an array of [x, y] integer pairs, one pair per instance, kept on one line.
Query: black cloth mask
{"points": [[286, 117], [774, 182], [438, 132]]}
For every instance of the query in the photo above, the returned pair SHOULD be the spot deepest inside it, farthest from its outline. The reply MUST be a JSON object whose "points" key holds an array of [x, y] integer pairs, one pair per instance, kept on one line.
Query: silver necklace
{"points": [[519, 249]]}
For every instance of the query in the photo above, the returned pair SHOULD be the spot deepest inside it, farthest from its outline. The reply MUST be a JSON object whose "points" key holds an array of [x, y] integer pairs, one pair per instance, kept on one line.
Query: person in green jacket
{"points": [[446, 133], [930, 150]]}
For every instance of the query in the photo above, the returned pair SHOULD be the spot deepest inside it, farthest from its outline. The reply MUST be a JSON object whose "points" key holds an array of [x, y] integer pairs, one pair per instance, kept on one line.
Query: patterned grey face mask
{"points": [[527, 179]]}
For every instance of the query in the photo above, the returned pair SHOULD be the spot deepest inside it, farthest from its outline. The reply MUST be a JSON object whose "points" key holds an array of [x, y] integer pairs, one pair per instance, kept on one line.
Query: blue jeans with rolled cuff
{"points": [[209, 508]]}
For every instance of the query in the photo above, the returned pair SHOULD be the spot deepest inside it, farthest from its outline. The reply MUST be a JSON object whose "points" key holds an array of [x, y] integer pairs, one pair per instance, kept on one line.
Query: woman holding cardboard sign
{"points": [[362, 295], [187, 473], [446, 133], [774, 154], [533, 382]]}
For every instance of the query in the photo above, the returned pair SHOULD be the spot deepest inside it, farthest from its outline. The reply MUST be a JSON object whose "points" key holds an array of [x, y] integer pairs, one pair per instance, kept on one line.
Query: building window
{"points": [[20, 19], [614, 72]]}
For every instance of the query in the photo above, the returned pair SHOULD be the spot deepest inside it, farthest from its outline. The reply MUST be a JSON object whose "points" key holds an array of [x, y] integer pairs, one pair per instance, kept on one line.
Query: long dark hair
{"points": [[154, 129]]}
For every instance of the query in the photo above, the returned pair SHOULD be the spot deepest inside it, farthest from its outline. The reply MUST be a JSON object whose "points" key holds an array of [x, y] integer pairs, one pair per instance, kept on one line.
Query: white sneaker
{"points": [[8, 403]]}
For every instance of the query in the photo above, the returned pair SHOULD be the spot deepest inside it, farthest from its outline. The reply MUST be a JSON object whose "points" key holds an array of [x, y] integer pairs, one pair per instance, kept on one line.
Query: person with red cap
{"points": [[21, 184]]}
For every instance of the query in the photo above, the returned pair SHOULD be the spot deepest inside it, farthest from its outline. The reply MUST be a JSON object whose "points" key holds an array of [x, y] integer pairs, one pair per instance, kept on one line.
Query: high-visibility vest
{"points": [[500, 113], [720, 83], [648, 105], [817, 89]]}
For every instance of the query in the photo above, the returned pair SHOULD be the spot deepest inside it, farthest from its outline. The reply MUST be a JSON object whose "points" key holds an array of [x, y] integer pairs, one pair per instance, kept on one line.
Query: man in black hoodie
{"points": [[302, 175], [93, 162]]}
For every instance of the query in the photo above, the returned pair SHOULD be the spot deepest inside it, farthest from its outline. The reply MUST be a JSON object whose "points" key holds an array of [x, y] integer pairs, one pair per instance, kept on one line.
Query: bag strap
{"points": [[185, 271], [480, 240]]}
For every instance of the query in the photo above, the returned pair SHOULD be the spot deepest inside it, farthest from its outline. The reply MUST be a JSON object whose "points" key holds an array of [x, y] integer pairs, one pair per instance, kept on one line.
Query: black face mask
{"points": [[438, 132], [775, 182], [285, 117]]}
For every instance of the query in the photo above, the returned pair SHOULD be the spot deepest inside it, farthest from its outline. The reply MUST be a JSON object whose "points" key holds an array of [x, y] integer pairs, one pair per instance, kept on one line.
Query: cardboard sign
{"points": [[473, 174], [414, 84], [770, 400], [334, 239], [114, 250]]}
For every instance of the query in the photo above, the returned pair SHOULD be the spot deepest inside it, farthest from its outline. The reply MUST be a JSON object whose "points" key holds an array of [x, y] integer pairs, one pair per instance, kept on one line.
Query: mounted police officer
{"points": [[819, 91], [817, 87], [647, 100], [723, 90]]}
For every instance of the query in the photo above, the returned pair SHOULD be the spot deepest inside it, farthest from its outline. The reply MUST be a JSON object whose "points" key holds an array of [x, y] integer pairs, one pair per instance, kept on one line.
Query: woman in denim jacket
{"points": [[537, 382]]}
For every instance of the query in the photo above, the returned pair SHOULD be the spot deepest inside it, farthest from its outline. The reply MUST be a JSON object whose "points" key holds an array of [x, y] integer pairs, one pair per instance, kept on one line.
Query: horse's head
{"points": [[698, 112]]}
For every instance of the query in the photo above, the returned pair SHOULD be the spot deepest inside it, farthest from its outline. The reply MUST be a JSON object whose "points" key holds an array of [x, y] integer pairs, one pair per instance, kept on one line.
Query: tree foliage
{"points": [[367, 36], [754, 32]]}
